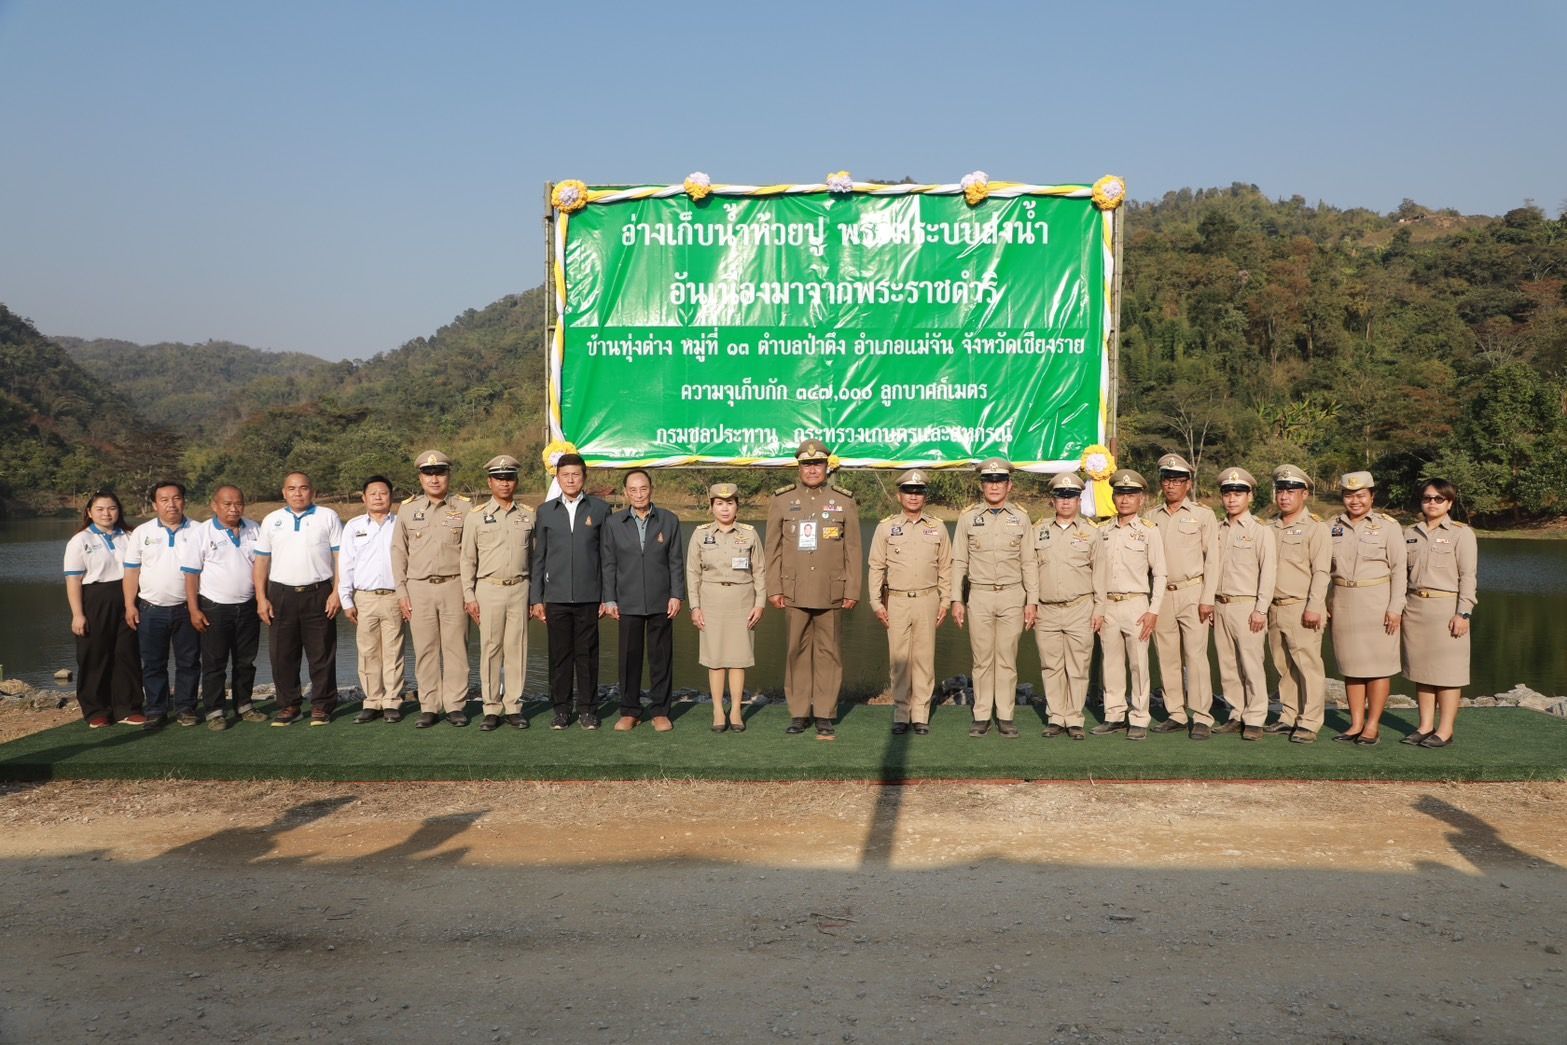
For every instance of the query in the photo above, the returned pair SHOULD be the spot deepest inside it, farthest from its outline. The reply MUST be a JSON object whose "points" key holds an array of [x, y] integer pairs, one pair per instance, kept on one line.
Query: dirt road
{"points": [[680, 912]]}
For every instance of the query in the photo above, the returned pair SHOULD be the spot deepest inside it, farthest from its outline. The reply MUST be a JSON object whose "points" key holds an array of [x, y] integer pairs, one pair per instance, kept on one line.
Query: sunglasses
{"points": [[1433, 498]]}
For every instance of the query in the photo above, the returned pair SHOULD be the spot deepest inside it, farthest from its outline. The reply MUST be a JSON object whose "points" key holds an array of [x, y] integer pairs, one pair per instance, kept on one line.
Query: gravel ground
{"points": [[680, 911]]}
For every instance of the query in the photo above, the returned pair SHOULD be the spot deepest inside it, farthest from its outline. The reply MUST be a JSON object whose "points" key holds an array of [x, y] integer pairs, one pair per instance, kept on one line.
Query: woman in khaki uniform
{"points": [[1367, 605], [726, 581], [1442, 557]]}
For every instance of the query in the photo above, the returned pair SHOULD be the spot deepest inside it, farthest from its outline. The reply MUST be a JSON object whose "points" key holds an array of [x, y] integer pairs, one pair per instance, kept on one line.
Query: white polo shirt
{"points": [[225, 558], [300, 546], [161, 555], [97, 556], [365, 562]]}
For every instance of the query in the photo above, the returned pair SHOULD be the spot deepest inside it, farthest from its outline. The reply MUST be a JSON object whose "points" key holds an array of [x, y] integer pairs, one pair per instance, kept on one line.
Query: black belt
{"points": [[301, 587]]}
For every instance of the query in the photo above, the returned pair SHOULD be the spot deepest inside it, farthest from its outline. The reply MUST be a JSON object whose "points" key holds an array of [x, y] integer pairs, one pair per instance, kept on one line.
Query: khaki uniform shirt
{"points": [[1443, 558], [1305, 561], [1190, 535], [428, 541], [1248, 561], [1371, 550], [1131, 559], [496, 545], [732, 556], [993, 546], [1067, 554], [822, 576], [911, 556]]}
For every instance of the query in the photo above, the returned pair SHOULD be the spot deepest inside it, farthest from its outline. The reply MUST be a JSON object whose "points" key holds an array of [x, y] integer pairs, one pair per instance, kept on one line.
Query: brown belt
{"points": [[375, 591], [1288, 600], [1342, 582], [504, 584], [1227, 599], [1187, 583], [1122, 596], [1433, 593]]}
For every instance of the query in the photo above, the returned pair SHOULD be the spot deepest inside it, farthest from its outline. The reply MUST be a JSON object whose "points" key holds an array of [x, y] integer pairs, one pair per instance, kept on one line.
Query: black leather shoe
{"points": [[587, 720], [1076, 733], [1346, 738], [489, 723], [921, 729], [1169, 725], [519, 720], [426, 720], [392, 716], [1052, 730], [367, 715], [797, 725], [457, 718], [1434, 741], [1415, 738], [825, 730], [157, 722], [979, 729], [1113, 726], [1006, 727], [899, 728]]}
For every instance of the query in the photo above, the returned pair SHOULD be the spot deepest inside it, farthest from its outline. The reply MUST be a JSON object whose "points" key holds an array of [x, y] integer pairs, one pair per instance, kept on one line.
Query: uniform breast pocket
{"points": [[1186, 528]]}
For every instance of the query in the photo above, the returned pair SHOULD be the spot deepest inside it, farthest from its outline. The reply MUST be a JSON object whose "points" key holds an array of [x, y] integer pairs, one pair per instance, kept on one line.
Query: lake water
{"points": [[1517, 626]]}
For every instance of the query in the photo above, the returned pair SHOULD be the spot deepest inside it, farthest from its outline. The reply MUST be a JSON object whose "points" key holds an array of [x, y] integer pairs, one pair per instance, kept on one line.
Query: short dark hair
{"points": [[383, 480], [570, 459], [1441, 486], [102, 495], [643, 472], [163, 484]]}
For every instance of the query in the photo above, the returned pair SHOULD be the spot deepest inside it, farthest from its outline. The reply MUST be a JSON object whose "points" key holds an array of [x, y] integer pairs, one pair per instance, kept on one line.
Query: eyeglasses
{"points": [[1433, 498], [1174, 477]]}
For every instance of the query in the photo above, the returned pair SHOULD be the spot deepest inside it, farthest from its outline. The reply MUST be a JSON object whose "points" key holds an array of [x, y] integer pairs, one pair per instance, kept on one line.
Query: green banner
{"points": [[899, 329]]}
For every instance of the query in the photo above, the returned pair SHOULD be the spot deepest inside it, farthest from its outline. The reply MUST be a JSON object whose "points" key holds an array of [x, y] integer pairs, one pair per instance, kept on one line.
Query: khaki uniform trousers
{"points": [[440, 631], [1297, 654], [995, 621], [379, 639], [1064, 634], [1121, 644], [813, 666], [1240, 661], [911, 652], [1181, 638], [503, 645]]}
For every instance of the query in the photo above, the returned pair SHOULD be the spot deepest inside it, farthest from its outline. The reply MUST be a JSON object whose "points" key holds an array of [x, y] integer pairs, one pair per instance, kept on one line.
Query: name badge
{"points": [[897, 531], [740, 562], [807, 535]]}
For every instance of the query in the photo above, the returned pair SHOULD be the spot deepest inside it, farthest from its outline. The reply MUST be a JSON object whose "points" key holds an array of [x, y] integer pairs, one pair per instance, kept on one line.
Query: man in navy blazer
{"points": [[565, 590], [644, 585]]}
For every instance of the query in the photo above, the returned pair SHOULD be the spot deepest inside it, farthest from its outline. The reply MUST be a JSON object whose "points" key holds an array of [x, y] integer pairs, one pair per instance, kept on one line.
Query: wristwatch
{"points": [[1464, 615]]}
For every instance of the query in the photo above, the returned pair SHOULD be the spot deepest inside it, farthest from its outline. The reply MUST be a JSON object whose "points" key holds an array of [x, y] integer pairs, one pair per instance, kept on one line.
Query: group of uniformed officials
{"points": [[1174, 576]]}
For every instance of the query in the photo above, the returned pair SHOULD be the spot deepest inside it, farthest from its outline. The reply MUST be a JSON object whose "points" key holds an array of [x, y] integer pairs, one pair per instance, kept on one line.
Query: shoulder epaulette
{"points": [[785, 488], [476, 508], [1314, 516], [846, 493], [410, 500], [460, 497], [890, 518], [969, 507]]}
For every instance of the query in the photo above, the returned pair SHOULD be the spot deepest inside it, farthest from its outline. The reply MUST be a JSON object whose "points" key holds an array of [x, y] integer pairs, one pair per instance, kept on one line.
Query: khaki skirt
{"points": [[1361, 645], [726, 642], [1432, 657]]}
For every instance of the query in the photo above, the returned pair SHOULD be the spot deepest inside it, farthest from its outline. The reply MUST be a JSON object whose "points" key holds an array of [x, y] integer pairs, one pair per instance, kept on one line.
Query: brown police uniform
{"points": [[813, 561], [993, 550], [1247, 566], [1189, 535], [1132, 575], [911, 575], [1305, 562], [497, 543], [1066, 554], [1369, 581], [425, 564], [1442, 563], [726, 578]]}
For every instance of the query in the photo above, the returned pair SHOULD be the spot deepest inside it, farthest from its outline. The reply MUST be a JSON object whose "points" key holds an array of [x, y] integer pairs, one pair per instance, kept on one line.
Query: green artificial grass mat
{"points": [[1492, 744]]}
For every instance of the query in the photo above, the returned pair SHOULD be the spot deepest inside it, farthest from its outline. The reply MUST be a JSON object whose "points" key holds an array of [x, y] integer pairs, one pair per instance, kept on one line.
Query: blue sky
{"points": [[336, 178]]}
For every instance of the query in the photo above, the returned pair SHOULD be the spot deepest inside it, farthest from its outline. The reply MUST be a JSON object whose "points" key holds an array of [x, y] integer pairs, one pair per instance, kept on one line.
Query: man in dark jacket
{"points": [[565, 590], [644, 585]]}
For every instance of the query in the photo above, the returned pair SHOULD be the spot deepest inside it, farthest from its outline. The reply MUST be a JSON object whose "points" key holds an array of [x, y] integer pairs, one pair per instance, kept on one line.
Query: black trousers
{"points": [[654, 635], [573, 629], [108, 657], [301, 628], [233, 635]]}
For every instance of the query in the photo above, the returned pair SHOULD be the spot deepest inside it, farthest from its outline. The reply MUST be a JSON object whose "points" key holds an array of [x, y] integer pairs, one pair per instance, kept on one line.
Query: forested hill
{"points": [[61, 429], [202, 391], [1254, 331]]}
